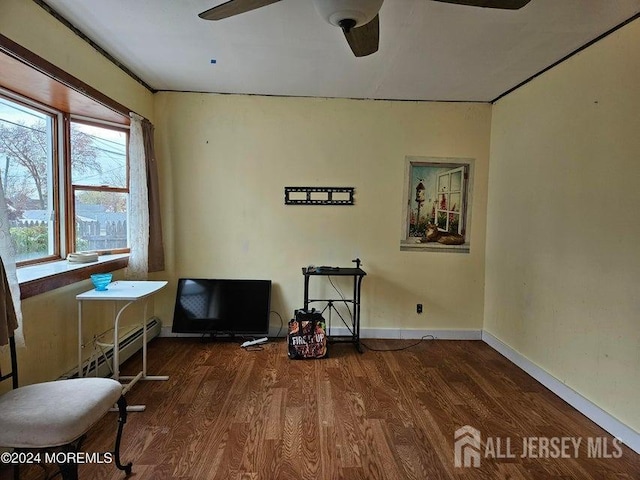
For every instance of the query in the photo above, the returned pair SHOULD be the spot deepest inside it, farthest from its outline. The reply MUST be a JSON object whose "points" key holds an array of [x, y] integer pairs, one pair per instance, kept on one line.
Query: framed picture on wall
{"points": [[436, 214]]}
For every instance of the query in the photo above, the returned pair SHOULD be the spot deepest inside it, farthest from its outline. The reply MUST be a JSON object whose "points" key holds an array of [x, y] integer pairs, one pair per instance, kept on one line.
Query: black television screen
{"points": [[222, 307]]}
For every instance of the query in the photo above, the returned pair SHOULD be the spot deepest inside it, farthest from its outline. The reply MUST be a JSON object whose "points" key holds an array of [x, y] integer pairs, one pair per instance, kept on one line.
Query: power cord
{"points": [[260, 347], [346, 303], [422, 339], [281, 323]]}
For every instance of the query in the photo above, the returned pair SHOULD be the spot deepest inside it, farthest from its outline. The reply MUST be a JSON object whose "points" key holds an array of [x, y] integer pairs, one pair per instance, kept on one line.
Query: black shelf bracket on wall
{"points": [[318, 195]]}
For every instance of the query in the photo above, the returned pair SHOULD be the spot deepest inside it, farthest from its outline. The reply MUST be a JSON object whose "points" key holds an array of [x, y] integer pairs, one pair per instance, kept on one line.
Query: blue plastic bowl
{"points": [[101, 280]]}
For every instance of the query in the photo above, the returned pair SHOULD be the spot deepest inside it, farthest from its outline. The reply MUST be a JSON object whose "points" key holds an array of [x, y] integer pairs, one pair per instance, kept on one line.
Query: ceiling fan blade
{"points": [[503, 4], [364, 40], [233, 7]]}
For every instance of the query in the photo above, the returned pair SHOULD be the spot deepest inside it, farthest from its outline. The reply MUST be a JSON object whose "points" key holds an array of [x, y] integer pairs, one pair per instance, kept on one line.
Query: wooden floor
{"points": [[232, 414]]}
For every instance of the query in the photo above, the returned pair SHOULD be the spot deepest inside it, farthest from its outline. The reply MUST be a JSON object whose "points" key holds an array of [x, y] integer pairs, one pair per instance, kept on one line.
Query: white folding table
{"points": [[128, 292]]}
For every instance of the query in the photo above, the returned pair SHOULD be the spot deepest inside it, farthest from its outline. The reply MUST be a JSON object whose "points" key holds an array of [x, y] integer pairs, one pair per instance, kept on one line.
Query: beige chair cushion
{"points": [[54, 413]]}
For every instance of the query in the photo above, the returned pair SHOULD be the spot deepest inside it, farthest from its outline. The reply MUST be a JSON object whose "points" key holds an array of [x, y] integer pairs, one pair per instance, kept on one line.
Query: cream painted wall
{"points": [[29, 25], [563, 264], [50, 320], [227, 158]]}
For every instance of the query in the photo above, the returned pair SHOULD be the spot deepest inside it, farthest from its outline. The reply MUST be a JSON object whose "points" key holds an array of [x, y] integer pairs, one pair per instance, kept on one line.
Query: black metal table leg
{"points": [[122, 419]]}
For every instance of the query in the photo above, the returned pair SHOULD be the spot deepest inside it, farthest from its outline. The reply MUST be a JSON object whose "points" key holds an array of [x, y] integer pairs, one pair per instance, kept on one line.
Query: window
{"points": [[437, 204], [100, 187], [57, 206], [449, 207], [27, 166]]}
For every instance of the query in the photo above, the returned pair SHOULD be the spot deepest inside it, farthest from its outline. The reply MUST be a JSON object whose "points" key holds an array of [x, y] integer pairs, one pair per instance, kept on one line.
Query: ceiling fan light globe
{"points": [[360, 11]]}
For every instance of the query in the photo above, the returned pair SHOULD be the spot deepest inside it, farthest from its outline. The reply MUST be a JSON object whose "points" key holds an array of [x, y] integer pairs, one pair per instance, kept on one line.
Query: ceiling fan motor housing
{"points": [[336, 11]]}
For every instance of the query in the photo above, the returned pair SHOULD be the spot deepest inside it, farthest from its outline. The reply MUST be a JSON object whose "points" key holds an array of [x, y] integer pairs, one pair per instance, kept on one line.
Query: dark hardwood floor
{"points": [[232, 414]]}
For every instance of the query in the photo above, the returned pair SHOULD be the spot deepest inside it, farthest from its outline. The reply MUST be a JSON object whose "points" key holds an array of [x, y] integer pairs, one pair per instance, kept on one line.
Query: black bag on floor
{"points": [[307, 337]]}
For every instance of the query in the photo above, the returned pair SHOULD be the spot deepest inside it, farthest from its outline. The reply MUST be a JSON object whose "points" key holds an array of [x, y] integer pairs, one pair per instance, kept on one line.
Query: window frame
{"points": [[30, 76], [62, 187], [448, 193], [72, 188], [57, 120], [410, 242]]}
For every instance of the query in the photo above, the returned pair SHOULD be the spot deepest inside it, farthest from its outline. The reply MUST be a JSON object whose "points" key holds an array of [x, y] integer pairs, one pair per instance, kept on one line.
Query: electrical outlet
{"points": [[419, 308]]}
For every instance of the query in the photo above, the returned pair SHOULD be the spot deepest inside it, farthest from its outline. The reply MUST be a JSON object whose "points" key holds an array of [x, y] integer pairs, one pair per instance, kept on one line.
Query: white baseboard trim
{"points": [[383, 333], [615, 427], [411, 334], [166, 332]]}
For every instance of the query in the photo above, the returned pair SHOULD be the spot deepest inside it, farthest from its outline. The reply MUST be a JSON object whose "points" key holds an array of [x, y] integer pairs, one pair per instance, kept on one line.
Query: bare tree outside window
{"points": [[26, 166], [28, 146]]}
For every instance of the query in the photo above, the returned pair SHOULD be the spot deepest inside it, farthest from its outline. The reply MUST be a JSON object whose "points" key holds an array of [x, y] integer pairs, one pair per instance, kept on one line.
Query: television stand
{"points": [[357, 274]]}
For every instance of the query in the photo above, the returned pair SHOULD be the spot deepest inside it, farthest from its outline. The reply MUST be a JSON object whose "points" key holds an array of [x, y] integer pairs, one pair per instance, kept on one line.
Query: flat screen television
{"points": [[222, 308]]}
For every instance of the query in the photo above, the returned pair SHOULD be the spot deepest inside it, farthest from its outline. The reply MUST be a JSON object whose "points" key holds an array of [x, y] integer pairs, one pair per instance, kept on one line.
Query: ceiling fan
{"points": [[358, 19]]}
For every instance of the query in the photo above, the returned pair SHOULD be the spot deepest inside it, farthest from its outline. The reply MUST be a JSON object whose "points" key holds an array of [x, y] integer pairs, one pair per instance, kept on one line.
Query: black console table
{"points": [[357, 274]]}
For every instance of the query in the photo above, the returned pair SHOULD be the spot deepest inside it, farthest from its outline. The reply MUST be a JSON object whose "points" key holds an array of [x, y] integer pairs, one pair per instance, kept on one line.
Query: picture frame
{"points": [[437, 201]]}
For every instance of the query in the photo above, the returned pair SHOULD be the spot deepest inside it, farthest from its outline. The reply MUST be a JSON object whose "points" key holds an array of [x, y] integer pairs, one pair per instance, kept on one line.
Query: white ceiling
{"points": [[428, 50]]}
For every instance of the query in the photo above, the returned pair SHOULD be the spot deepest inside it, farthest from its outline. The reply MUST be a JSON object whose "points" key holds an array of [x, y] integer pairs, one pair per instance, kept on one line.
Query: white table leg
{"points": [[144, 339], [127, 291], [116, 343], [80, 339]]}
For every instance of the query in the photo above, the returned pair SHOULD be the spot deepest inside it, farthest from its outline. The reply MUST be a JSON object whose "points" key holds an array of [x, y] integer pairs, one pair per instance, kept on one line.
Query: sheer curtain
{"points": [[145, 225], [10, 311], [138, 203]]}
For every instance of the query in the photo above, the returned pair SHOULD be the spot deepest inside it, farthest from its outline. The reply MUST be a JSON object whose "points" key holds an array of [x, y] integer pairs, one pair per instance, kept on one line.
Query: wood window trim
{"points": [[29, 75], [32, 76], [37, 286]]}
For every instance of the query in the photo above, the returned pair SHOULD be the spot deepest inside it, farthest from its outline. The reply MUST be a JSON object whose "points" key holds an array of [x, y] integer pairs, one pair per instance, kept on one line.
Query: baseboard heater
{"points": [[129, 345]]}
